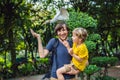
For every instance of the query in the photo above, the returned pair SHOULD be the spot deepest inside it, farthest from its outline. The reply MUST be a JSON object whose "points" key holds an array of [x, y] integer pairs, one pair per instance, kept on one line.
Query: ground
{"points": [[112, 71]]}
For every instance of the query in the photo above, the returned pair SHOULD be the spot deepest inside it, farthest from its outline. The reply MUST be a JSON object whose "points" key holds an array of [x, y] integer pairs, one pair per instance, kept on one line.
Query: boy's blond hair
{"points": [[81, 33]]}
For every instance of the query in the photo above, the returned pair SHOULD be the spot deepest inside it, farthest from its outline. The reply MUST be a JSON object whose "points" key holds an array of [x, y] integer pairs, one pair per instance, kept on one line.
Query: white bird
{"points": [[61, 15]]}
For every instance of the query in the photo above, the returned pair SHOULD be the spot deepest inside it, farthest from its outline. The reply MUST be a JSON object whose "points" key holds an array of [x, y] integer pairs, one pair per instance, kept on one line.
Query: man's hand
{"points": [[34, 34]]}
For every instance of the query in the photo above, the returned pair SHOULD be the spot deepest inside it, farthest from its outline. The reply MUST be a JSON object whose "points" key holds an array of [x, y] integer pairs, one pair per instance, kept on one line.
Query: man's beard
{"points": [[63, 39]]}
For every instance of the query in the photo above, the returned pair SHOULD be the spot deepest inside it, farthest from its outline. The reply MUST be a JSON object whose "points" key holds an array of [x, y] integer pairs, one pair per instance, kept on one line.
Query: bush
{"points": [[104, 61], [91, 46], [91, 69]]}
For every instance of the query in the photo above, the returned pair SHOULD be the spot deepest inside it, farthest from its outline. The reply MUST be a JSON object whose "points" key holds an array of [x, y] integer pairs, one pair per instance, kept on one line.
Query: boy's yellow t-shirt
{"points": [[82, 52]]}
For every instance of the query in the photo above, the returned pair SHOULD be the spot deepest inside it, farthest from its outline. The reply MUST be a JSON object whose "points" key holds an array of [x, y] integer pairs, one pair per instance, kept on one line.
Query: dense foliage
{"points": [[17, 46]]}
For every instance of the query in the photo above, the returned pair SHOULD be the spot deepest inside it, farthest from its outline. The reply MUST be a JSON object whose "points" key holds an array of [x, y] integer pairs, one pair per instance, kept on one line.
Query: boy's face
{"points": [[75, 38]]}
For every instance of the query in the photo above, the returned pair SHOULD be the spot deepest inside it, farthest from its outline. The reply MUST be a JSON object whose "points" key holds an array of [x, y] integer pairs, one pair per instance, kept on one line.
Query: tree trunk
{"points": [[12, 51]]}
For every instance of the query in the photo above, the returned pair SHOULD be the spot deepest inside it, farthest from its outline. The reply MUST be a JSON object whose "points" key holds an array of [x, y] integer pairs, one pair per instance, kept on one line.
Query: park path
{"points": [[35, 77], [113, 72]]}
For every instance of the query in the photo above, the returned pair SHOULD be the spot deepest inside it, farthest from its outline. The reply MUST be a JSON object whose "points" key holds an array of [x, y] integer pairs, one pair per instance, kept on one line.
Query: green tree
{"points": [[107, 14], [14, 15], [16, 18], [80, 19]]}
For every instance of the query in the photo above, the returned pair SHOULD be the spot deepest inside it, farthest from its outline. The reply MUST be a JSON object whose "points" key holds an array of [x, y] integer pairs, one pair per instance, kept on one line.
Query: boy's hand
{"points": [[70, 51], [66, 44]]}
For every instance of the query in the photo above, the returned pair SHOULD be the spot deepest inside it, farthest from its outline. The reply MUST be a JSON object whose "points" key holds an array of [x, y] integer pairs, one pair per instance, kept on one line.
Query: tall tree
{"points": [[10, 18], [107, 14]]}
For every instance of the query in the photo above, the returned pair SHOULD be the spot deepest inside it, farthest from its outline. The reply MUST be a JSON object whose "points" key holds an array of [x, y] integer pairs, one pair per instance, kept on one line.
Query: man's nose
{"points": [[62, 32]]}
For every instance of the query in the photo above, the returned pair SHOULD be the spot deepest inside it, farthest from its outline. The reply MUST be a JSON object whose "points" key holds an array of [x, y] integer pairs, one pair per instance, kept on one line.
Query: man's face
{"points": [[62, 33]]}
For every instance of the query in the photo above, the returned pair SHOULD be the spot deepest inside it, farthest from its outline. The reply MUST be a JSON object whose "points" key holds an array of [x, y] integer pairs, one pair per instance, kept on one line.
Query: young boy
{"points": [[79, 53]]}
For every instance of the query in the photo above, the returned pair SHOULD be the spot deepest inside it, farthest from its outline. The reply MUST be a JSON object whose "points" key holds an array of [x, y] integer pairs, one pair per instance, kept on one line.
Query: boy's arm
{"points": [[77, 57]]}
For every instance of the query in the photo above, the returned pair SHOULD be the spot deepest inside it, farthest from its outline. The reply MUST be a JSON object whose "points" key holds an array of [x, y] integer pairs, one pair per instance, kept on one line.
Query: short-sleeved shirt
{"points": [[82, 52], [63, 57]]}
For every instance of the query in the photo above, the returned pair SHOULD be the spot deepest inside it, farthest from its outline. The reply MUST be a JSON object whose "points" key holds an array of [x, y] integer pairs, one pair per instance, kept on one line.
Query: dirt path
{"points": [[114, 72]]}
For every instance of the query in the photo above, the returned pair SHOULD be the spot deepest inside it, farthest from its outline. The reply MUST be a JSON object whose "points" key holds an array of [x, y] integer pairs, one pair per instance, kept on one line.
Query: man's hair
{"points": [[59, 26]]}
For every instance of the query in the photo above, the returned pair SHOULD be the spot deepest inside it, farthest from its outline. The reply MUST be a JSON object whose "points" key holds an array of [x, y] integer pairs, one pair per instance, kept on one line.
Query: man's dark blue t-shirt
{"points": [[63, 57]]}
